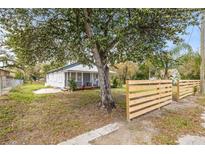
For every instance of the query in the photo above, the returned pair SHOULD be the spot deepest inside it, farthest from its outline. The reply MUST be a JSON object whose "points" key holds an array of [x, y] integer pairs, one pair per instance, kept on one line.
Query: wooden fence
{"points": [[143, 96], [186, 88]]}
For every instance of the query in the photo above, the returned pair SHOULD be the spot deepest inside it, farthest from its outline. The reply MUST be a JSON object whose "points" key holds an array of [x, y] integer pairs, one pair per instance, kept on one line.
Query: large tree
{"points": [[101, 37]]}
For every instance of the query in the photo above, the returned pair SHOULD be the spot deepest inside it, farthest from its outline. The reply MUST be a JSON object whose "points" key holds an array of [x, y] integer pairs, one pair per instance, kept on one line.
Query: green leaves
{"points": [[41, 35]]}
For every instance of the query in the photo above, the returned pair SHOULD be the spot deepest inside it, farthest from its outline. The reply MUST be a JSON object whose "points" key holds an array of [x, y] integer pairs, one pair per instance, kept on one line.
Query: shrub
{"points": [[116, 83], [72, 85], [195, 90]]}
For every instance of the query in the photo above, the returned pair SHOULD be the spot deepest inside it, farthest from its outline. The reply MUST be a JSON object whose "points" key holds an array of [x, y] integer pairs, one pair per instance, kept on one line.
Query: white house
{"points": [[84, 76]]}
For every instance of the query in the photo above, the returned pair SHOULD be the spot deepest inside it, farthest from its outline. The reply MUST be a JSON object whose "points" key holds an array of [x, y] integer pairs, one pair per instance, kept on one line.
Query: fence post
{"points": [[0, 85], [127, 101], [159, 89], [177, 90]]}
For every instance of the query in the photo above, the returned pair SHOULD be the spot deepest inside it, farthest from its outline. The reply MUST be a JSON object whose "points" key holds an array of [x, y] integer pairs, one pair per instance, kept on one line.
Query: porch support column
{"points": [[65, 83], [76, 78], [92, 80], [82, 79], [70, 75]]}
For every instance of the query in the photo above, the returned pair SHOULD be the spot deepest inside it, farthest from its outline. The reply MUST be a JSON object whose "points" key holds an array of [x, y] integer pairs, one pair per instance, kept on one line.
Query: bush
{"points": [[116, 83], [195, 90], [72, 85]]}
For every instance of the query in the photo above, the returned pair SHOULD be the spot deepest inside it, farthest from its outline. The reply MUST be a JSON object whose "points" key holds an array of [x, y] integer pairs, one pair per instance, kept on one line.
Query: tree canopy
{"points": [[170, 58]]}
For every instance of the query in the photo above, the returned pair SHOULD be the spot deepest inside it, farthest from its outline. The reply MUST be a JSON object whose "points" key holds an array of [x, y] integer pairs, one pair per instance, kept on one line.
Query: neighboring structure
{"points": [[84, 76], [7, 81], [4, 76], [4, 73]]}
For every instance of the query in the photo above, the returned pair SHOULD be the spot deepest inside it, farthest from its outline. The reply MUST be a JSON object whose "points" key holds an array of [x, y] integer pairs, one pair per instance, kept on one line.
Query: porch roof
{"points": [[82, 68], [77, 67]]}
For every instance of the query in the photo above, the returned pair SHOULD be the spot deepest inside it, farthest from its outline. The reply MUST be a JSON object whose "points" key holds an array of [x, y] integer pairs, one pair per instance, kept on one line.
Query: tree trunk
{"points": [[106, 97], [126, 70], [166, 74], [103, 70]]}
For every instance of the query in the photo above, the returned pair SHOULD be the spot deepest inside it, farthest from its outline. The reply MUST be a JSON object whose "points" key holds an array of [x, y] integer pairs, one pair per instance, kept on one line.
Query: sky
{"points": [[192, 38]]}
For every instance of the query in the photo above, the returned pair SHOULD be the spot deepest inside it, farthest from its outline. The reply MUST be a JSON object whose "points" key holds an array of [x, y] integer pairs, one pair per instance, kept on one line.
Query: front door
{"points": [[86, 79]]}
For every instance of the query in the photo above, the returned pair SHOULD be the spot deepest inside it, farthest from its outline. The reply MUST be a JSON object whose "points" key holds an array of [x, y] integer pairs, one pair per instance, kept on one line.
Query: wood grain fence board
{"points": [[148, 81], [136, 114], [150, 103], [133, 88], [185, 95], [142, 94], [144, 99], [187, 89]]}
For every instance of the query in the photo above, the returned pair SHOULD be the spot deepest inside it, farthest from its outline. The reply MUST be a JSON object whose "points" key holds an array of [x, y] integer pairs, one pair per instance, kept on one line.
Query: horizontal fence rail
{"points": [[143, 96], [6, 84], [186, 88]]}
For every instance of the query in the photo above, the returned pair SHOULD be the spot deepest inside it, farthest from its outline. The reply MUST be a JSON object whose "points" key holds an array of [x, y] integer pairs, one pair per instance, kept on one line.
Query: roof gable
{"points": [[82, 68], [76, 67]]}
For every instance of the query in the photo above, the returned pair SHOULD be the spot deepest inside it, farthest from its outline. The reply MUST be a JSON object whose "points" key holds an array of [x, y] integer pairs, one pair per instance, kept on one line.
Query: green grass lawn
{"points": [[25, 93], [27, 118]]}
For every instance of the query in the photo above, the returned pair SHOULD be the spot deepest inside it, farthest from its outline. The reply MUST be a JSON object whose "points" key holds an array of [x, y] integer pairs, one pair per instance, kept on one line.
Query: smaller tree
{"points": [[168, 59], [126, 70], [189, 67]]}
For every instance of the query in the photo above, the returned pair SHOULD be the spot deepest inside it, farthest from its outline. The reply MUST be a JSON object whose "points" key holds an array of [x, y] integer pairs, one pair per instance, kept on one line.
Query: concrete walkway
{"points": [[193, 140], [85, 138], [47, 91]]}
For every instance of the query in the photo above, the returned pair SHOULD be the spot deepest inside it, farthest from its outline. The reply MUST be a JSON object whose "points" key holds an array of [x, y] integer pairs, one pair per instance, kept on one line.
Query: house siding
{"points": [[56, 79], [59, 77]]}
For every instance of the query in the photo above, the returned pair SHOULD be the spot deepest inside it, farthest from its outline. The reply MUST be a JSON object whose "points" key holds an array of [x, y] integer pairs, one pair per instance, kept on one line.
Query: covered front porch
{"points": [[82, 79]]}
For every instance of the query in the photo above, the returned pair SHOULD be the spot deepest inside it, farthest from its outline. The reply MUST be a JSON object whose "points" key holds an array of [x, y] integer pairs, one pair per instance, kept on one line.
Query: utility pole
{"points": [[202, 52]]}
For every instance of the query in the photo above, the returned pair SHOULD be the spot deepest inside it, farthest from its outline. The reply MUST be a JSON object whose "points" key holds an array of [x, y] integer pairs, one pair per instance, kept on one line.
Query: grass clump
{"points": [[201, 101], [7, 115]]}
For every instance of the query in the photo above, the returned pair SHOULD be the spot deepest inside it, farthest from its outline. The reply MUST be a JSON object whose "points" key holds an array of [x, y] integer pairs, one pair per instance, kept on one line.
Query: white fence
{"points": [[6, 84]]}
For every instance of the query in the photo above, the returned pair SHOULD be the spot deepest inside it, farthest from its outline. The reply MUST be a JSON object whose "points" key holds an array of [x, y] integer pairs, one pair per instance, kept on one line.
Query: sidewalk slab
{"points": [[85, 138]]}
